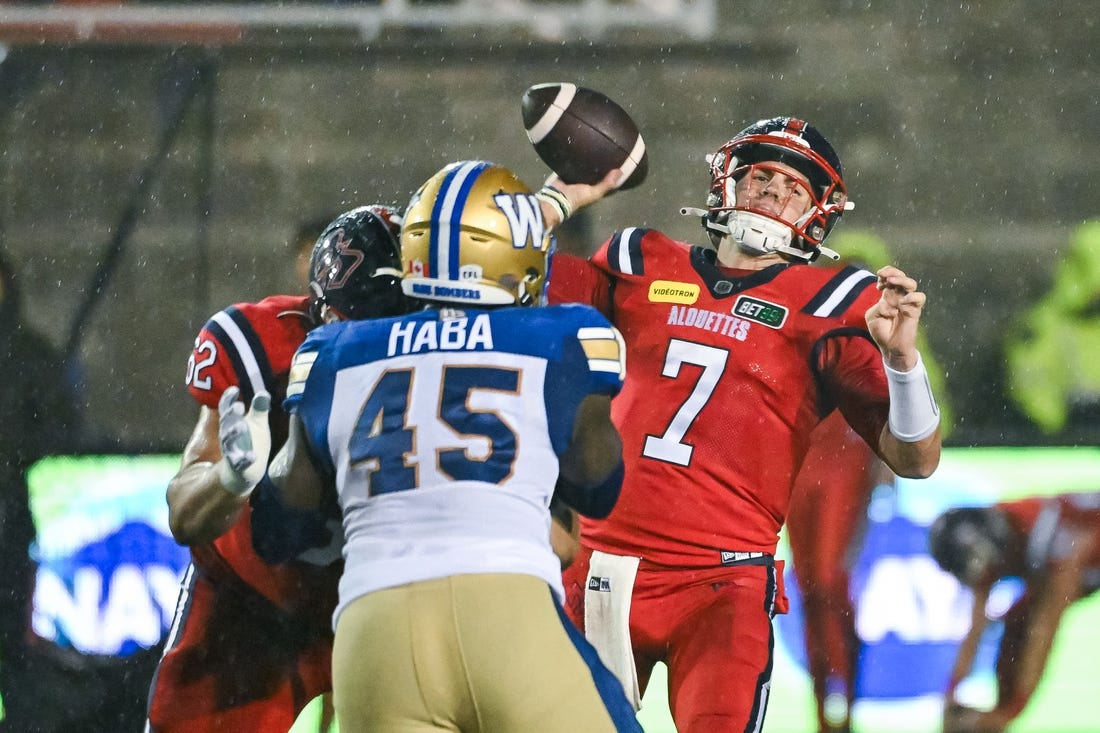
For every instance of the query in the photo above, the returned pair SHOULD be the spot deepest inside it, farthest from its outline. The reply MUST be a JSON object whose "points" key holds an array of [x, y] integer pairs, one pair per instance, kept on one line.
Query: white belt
{"points": [[608, 589]]}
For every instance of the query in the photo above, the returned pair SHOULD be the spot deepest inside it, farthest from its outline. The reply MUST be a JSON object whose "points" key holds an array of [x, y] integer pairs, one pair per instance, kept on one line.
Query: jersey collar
{"points": [[722, 284]]}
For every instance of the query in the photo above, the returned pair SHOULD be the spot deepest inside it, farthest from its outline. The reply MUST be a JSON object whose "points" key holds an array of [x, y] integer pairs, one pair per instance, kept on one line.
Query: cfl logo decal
{"points": [[524, 218], [470, 272]]}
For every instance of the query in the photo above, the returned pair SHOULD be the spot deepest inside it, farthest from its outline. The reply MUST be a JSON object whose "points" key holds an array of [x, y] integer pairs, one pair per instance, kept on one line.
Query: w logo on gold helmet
{"points": [[474, 234]]}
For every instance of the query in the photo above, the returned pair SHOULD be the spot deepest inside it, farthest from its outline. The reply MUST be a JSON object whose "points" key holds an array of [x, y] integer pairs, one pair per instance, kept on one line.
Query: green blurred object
{"points": [[1053, 350]]}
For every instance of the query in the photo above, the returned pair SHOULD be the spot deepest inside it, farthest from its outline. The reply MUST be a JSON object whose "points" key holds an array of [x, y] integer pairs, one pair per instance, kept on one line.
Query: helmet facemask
{"points": [[970, 543], [759, 230], [740, 225]]}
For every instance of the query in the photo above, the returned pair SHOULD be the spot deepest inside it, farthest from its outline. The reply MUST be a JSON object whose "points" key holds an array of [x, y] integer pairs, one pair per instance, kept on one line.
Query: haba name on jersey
{"points": [[446, 334], [449, 333]]}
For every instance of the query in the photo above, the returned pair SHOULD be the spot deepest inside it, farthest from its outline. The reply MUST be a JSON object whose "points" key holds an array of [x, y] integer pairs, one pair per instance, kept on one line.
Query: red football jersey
{"points": [[251, 345], [1051, 525], [727, 372]]}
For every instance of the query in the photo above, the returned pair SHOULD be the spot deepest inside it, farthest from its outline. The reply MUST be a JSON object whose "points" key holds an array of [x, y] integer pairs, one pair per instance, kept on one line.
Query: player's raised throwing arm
{"points": [[559, 200]]}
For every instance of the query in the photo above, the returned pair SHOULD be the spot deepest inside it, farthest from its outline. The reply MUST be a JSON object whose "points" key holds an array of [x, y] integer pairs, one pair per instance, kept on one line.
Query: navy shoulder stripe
{"points": [[624, 251], [840, 292], [245, 350]]}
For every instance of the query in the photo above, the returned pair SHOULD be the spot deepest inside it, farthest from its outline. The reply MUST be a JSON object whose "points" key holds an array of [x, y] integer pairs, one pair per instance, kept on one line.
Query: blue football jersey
{"points": [[443, 429]]}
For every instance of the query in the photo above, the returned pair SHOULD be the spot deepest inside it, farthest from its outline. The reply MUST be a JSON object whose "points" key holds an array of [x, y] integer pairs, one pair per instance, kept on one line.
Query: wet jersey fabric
{"points": [[1051, 525], [443, 429], [251, 345], [728, 372], [250, 644]]}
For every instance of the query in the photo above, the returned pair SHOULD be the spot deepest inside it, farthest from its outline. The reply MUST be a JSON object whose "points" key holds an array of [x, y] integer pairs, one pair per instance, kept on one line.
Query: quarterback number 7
{"points": [[670, 446]]}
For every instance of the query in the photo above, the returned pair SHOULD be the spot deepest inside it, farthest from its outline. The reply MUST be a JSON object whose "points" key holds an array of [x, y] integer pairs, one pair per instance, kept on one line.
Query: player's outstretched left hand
{"points": [[245, 441], [893, 320]]}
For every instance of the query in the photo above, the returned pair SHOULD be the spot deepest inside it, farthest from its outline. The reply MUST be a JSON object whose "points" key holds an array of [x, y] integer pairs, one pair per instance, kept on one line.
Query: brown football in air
{"points": [[582, 134]]}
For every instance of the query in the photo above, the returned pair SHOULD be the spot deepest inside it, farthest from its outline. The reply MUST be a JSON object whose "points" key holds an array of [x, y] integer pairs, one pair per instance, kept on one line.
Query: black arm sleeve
{"points": [[596, 501], [279, 532]]}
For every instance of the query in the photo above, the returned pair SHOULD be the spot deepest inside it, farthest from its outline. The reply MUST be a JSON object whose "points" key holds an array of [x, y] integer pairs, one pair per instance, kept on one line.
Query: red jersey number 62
{"points": [[202, 357]]}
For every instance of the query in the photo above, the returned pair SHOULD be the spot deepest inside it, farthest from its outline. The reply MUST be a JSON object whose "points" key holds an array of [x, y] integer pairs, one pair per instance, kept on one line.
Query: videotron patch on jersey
{"points": [[667, 291], [761, 311]]}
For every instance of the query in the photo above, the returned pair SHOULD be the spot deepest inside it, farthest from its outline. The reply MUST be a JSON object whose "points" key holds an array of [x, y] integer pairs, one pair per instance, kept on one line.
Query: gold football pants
{"points": [[475, 653]]}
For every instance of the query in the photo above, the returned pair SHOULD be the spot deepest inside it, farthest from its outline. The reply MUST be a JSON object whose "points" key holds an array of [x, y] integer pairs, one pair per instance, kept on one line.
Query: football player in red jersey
{"points": [[828, 514], [1053, 544], [251, 643], [735, 352]]}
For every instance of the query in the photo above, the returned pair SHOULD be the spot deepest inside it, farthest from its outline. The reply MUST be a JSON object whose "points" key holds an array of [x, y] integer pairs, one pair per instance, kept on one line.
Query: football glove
{"points": [[245, 441]]}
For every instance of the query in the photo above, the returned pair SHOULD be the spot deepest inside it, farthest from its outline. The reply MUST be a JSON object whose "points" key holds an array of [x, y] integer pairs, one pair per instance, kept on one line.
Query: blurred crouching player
{"points": [[1053, 544]]}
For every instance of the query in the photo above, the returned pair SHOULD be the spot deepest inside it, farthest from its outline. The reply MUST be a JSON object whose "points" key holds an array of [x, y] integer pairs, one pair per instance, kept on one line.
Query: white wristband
{"points": [[557, 200], [914, 414]]}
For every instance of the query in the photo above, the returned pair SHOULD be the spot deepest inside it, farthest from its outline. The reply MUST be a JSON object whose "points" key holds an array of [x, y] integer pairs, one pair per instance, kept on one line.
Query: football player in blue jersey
{"points": [[443, 435]]}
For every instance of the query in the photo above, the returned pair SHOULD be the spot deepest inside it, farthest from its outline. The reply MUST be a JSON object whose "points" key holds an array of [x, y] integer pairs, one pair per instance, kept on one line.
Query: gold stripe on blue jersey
{"points": [[299, 372], [604, 349]]}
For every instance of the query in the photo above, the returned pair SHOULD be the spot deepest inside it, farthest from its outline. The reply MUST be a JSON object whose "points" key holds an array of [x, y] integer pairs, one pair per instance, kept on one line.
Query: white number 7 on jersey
{"points": [[670, 447]]}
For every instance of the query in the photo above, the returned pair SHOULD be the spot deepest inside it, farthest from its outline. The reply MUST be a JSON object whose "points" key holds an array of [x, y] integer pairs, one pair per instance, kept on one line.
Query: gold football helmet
{"points": [[474, 235]]}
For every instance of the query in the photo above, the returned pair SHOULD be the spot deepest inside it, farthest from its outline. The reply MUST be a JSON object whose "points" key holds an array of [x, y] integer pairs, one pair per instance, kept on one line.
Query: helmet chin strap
{"points": [[759, 235], [755, 235]]}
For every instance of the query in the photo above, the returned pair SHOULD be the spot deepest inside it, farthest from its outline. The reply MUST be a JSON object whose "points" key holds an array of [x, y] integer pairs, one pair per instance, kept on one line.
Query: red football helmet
{"points": [[777, 140]]}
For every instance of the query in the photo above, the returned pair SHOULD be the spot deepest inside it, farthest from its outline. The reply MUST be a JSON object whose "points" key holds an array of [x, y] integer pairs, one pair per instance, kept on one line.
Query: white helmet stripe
{"points": [[561, 103], [443, 248]]}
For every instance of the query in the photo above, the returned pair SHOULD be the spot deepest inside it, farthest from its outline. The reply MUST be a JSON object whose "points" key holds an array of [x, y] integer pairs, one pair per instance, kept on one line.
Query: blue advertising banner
{"points": [[108, 568]]}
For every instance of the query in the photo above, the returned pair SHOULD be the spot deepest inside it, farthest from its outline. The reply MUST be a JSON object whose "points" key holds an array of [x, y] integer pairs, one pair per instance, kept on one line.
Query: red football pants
{"points": [[231, 666], [712, 627]]}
